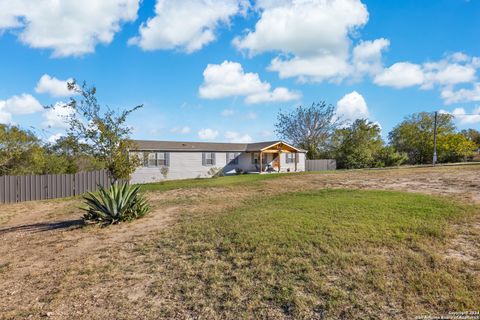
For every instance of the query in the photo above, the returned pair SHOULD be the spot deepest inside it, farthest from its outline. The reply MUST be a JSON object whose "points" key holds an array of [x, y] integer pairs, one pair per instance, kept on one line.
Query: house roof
{"points": [[205, 146]]}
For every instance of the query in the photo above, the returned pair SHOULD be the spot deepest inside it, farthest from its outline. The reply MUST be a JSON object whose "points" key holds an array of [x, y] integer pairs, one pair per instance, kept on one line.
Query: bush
{"points": [[116, 204]]}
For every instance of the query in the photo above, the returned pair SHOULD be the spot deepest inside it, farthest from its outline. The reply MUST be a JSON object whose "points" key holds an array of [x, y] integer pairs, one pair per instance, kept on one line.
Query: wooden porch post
{"points": [[296, 155], [279, 160], [261, 154]]}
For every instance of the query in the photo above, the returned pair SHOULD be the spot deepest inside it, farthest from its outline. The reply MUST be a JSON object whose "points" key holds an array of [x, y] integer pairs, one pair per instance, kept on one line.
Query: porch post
{"points": [[261, 154], [296, 160], [279, 160]]}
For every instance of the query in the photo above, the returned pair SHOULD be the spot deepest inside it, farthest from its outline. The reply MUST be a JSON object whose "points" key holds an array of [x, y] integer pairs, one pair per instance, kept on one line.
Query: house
{"points": [[170, 160]]}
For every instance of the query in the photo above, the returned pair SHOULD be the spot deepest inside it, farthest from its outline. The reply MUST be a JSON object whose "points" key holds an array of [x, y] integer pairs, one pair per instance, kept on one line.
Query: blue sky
{"points": [[221, 70]]}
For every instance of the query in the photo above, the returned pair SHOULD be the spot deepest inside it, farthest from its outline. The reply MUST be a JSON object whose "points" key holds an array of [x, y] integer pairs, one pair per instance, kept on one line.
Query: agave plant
{"points": [[118, 203]]}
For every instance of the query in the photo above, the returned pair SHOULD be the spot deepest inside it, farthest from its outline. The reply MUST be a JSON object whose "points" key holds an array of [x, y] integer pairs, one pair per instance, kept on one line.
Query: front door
{"points": [[276, 161]]}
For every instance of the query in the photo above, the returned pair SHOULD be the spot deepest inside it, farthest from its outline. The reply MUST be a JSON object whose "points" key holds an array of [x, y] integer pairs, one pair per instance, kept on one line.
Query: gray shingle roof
{"points": [[201, 146]]}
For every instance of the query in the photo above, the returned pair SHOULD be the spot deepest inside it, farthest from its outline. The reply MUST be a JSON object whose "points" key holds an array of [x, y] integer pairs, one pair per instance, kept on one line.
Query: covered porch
{"points": [[276, 157]]}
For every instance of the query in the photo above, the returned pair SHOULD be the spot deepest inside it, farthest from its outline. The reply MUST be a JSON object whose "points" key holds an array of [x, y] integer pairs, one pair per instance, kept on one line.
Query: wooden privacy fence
{"points": [[320, 165], [50, 186]]}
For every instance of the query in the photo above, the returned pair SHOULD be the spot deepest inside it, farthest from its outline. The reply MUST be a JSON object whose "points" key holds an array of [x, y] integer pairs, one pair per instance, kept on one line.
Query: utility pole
{"points": [[435, 140]]}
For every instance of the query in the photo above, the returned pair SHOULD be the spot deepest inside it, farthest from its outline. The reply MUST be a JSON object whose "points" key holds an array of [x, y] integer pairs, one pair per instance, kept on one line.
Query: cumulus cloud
{"points": [[400, 75], [19, 105], [313, 37], [352, 106], [367, 56], [56, 116], [181, 130], [236, 137], [450, 95], [461, 115], [69, 28], [230, 80], [187, 25], [53, 86], [445, 74], [207, 134]]}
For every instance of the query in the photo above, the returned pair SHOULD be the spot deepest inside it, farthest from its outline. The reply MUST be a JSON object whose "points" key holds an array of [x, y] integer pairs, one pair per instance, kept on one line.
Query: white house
{"points": [[170, 160]]}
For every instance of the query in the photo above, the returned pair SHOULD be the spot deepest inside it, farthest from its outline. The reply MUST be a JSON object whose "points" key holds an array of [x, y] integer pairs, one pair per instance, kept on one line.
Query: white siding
{"points": [[188, 165]]}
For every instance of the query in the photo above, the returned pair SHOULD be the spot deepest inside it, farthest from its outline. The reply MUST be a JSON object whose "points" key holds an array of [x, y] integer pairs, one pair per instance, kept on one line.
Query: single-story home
{"points": [[170, 160]]}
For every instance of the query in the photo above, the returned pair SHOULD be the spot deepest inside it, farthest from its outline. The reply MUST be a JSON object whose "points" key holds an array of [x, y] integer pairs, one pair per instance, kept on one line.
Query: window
{"points": [[156, 159], [208, 158], [255, 158], [232, 157], [290, 158]]}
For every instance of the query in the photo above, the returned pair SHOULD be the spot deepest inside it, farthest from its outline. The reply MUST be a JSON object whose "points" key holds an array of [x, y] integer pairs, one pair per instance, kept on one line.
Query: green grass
{"points": [[244, 179], [329, 253]]}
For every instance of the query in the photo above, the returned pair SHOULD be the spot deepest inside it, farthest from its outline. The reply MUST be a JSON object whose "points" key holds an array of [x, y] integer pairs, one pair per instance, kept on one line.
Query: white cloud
{"points": [[367, 56], [227, 112], [56, 116], [229, 80], [181, 130], [236, 137], [69, 28], [187, 25], [450, 95], [53, 86], [314, 36], [279, 94], [207, 134], [400, 75], [447, 73], [22, 104], [5, 117], [352, 106], [461, 115], [18, 105], [54, 137]]}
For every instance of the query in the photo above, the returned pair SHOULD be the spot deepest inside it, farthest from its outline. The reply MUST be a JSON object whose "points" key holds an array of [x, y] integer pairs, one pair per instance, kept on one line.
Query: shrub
{"points": [[116, 204]]}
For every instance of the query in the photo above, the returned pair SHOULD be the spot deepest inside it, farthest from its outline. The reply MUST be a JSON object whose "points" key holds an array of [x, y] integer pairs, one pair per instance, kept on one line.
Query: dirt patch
{"points": [[51, 264]]}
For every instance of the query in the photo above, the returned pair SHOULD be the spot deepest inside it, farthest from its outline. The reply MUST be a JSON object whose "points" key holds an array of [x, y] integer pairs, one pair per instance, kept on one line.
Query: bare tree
{"points": [[309, 128]]}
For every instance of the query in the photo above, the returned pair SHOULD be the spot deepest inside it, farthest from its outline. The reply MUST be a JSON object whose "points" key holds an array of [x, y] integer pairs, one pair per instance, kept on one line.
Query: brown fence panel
{"points": [[320, 165], [51, 186]]}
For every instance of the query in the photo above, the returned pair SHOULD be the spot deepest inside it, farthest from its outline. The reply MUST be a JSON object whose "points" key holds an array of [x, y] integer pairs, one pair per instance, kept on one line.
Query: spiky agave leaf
{"points": [[115, 204]]}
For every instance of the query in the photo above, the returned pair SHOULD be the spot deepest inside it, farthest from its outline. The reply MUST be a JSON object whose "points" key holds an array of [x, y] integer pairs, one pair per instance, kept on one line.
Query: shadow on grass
{"points": [[44, 226]]}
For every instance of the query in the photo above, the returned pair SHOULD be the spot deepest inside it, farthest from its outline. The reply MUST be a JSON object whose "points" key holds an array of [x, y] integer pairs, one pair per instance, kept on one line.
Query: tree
{"points": [[309, 128], [76, 154], [472, 135], [105, 132], [414, 135], [455, 147], [360, 145], [20, 151]]}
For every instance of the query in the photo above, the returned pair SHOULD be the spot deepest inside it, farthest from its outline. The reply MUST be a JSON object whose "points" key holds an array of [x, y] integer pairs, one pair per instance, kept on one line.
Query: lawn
{"points": [[383, 244], [243, 179], [329, 253]]}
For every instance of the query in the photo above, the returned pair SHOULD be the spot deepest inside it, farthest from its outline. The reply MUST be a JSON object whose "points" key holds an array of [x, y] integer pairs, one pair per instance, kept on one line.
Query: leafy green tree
{"points": [[74, 155], [455, 147], [472, 135], [309, 128], [20, 151], [414, 135], [357, 145], [104, 131]]}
